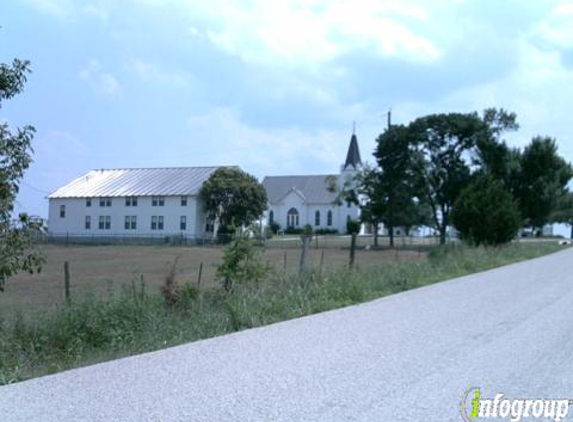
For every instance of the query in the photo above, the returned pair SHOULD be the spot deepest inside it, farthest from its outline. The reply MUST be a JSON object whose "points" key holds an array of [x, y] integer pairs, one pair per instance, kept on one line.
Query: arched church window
{"points": [[317, 218], [329, 218], [271, 217], [292, 218]]}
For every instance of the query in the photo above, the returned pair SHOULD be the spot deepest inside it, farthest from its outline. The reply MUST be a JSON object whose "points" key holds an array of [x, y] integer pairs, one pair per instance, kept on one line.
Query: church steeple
{"points": [[353, 155]]}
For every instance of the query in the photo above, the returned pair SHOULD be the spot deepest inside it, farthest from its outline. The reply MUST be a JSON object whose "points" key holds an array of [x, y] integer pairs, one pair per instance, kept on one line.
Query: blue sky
{"points": [[271, 86]]}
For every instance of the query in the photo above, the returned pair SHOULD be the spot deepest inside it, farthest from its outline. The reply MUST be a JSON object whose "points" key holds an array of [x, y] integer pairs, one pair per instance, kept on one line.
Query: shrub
{"points": [[241, 264], [326, 231], [275, 227], [486, 214], [171, 290], [307, 230], [225, 234], [293, 230], [352, 226]]}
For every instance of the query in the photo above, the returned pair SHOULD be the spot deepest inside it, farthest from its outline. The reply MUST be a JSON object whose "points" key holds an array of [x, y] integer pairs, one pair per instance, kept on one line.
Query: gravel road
{"points": [[407, 357]]}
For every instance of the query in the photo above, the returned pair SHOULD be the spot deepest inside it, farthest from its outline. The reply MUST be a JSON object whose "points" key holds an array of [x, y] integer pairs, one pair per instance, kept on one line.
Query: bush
{"points": [[486, 214], [307, 230], [352, 226], [326, 231], [241, 264], [225, 234], [275, 227], [293, 230]]}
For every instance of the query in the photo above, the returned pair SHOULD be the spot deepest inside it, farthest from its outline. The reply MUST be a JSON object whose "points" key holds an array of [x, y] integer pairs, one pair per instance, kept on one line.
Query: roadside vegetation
{"points": [[139, 319]]}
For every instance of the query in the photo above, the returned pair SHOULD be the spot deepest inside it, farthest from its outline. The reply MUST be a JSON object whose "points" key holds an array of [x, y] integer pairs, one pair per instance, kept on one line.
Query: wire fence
{"points": [[283, 241]]}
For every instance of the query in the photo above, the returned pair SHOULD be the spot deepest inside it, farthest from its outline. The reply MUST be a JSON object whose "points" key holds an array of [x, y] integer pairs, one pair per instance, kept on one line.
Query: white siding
{"points": [[76, 211], [307, 213]]}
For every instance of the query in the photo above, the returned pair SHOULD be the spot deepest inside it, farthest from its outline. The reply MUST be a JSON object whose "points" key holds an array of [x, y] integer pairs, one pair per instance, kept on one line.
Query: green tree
{"points": [[542, 180], [241, 263], [17, 251], [233, 197], [371, 206], [493, 156], [446, 143], [396, 187], [485, 213], [564, 212]]}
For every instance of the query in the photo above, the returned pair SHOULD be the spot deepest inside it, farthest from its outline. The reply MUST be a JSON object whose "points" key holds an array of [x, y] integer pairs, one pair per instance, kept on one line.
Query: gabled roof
{"points": [[313, 188], [353, 155], [136, 182]]}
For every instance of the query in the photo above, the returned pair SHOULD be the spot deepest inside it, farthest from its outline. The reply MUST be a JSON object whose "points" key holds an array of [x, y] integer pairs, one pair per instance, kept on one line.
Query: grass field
{"points": [[39, 340], [96, 269]]}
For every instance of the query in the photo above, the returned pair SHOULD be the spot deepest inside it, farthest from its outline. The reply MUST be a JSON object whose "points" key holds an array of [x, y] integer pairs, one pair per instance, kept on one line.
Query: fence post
{"points": [[321, 262], [67, 282], [352, 249], [305, 243], [285, 261], [200, 272]]}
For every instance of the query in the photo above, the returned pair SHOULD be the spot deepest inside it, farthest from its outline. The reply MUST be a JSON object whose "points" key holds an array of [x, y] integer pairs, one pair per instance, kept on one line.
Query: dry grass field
{"points": [[97, 269]]}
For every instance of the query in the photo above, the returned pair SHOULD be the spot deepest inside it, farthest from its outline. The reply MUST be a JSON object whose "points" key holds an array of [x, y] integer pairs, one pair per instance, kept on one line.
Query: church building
{"points": [[295, 201]]}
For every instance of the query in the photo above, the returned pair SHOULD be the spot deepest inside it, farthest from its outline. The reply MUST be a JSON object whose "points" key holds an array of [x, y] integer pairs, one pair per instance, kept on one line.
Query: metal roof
{"points": [[136, 182], [314, 189]]}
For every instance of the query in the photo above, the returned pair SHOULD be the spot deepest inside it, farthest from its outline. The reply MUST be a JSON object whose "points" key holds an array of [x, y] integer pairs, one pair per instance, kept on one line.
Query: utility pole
{"points": [[389, 118]]}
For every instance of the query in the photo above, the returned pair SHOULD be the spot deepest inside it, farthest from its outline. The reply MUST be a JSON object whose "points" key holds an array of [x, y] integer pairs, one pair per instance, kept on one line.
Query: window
{"points": [[183, 223], [131, 201], [271, 217], [105, 202], [292, 218], [104, 222], [348, 204], [62, 211], [329, 218], [317, 218], [88, 222], [209, 226], [157, 222], [157, 201], [130, 222], [88, 202], [183, 201]]}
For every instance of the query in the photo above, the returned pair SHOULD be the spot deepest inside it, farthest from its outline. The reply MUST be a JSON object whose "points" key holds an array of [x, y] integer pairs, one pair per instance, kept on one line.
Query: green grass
{"points": [[137, 320]]}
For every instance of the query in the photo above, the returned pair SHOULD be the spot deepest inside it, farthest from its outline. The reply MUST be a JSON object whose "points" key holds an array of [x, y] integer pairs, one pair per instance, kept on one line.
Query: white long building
{"points": [[164, 203], [145, 202]]}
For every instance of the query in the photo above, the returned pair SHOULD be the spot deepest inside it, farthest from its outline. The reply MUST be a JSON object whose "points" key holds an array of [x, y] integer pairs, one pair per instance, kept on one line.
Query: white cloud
{"points": [[57, 8], [537, 90], [313, 32], [228, 140], [101, 81], [158, 74], [557, 28], [309, 32]]}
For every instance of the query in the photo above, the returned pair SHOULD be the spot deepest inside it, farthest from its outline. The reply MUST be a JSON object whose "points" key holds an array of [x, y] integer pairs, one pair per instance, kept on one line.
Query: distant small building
{"points": [[295, 201], [144, 202]]}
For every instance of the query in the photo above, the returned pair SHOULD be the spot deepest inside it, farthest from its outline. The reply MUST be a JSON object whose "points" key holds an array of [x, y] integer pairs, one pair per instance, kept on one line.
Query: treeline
{"points": [[457, 170]]}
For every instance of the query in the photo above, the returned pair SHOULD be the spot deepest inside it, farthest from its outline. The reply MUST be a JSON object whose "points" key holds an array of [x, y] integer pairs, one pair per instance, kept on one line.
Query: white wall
{"points": [[307, 213], [76, 212]]}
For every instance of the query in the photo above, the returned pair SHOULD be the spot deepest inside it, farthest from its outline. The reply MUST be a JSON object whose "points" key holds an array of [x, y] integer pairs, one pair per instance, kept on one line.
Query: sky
{"points": [[271, 86]]}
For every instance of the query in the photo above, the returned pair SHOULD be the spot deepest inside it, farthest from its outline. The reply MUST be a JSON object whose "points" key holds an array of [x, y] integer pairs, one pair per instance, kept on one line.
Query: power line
{"points": [[34, 188]]}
